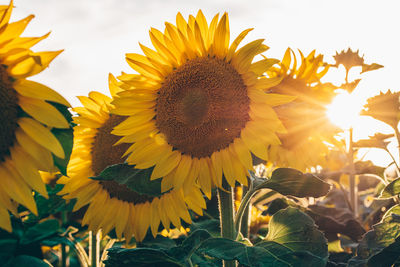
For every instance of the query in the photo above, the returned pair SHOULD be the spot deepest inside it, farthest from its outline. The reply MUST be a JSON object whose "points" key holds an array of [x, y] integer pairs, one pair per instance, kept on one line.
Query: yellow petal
{"points": [[236, 43], [18, 190], [243, 153], [32, 65], [217, 166], [221, 37], [15, 29], [41, 135], [165, 166], [41, 155], [263, 65], [122, 218], [155, 217], [43, 112], [244, 56], [205, 178], [5, 16], [182, 170], [27, 169], [5, 222], [38, 91]]}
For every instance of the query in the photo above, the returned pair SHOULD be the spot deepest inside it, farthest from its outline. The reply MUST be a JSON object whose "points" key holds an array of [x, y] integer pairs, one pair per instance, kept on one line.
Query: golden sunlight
{"points": [[344, 111]]}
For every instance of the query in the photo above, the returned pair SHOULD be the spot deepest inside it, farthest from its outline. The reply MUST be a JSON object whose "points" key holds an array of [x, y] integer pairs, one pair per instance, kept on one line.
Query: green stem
{"points": [[94, 249], [64, 256], [394, 161], [226, 214], [398, 138], [352, 176], [245, 224], [242, 208]]}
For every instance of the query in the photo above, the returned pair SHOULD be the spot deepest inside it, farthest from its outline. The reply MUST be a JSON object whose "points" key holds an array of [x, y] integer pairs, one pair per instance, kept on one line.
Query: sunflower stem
{"points": [[397, 133], [245, 224], [352, 176], [64, 256], [94, 246], [226, 215]]}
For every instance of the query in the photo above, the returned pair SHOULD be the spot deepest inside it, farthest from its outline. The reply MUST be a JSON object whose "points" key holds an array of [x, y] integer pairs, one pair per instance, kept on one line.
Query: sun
{"points": [[344, 111]]}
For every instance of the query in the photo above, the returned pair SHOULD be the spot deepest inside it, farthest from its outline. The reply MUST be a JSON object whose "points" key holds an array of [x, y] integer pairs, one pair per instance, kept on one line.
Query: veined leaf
{"points": [[391, 190], [287, 181], [137, 180]]}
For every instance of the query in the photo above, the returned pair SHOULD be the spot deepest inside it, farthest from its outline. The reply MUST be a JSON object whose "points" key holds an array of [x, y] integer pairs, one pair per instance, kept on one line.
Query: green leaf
{"points": [[65, 137], [395, 209], [373, 66], [211, 225], [135, 179], [159, 242], [271, 254], [388, 256], [292, 240], [296, 230], [379, 243], [333, 221], [7, 248], [118, 257], [40, 231], [25, 260], [189, 245], [391, 190], [287, 181]]}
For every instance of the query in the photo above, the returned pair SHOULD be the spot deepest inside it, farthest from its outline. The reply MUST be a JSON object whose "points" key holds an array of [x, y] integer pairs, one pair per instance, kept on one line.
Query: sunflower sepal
{"points": [[137, 180]]}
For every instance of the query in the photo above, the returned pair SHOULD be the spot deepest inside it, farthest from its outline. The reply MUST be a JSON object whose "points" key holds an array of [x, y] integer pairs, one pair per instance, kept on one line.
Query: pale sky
{"points": [[96, 34]]}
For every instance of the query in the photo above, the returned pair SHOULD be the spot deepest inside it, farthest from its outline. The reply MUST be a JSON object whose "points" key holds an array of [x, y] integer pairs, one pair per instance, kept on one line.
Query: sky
{"points": [[96, 35]]}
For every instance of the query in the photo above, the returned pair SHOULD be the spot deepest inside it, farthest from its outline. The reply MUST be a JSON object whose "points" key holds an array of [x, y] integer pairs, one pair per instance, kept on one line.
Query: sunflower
{"points": [[92, 152], [26, 118], [196, 109], [384, 107], [308, 128]]}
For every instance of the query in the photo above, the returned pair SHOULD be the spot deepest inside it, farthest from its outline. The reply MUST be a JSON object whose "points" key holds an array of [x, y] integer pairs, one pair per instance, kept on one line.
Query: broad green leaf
{"points": [[211, 225], [297, 231], [40, 231], [276, 205], [292, 240], [395, 209], [380, 242], [159, 242], [333, 221], [135, 179], [388, 256], [189, 245], [7, 248], [391, 190], [271, 254], [287, 181], [25, 260], [139, 257], [65, 137], [50, 206]]}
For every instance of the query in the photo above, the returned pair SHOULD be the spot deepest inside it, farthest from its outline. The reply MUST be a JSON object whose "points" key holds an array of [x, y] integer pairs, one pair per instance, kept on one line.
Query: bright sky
{"points": [[96, 34]]}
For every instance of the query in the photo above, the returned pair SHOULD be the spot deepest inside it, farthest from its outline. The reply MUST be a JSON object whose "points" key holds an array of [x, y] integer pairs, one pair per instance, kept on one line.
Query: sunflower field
{"points": [[207, 153]]}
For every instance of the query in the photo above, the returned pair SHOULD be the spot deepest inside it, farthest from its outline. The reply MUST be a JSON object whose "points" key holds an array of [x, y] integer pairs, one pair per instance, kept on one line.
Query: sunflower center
{"points": [[104, 154], [202, 106], [8, 113]]}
